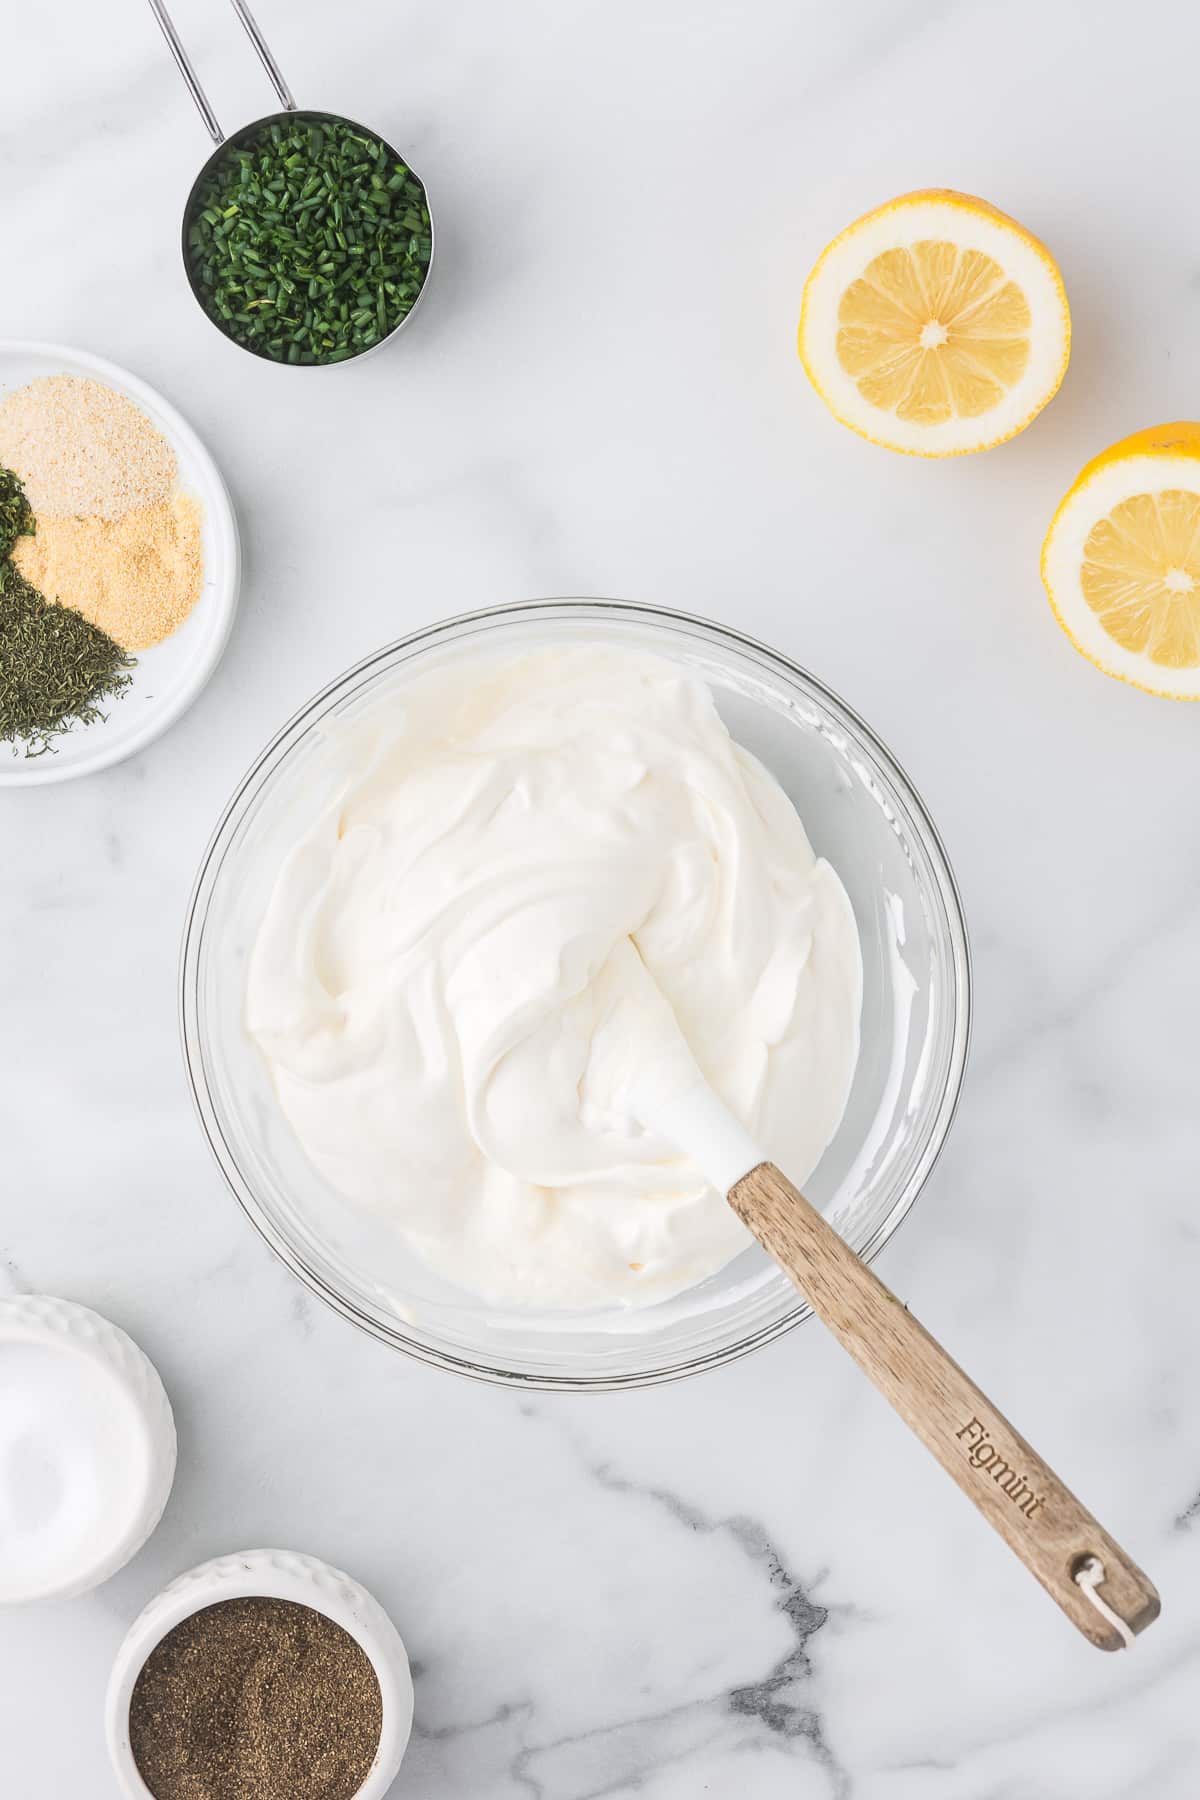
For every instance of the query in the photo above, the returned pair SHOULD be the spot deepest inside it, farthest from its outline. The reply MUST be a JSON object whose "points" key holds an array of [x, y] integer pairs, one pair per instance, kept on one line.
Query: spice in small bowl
{"points": [[114, 536], [260, 1698], [307, 239], [100, 553], [261, 1676], [56, 667]]}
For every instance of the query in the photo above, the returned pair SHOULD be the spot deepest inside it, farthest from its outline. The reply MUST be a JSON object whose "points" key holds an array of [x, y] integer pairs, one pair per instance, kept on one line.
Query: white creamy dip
{"points": [[435, 982]]}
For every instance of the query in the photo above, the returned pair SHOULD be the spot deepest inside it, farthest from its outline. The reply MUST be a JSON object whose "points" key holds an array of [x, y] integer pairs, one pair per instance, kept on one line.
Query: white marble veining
{"points": [[753, 1584]]}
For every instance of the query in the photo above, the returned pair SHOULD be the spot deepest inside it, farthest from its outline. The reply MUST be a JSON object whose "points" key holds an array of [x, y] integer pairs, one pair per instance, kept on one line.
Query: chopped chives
{"points": [[314, 210]]}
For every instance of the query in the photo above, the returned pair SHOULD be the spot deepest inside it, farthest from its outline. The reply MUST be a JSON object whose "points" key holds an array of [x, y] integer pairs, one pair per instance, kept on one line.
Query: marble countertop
{"points": [[753, 1583]]}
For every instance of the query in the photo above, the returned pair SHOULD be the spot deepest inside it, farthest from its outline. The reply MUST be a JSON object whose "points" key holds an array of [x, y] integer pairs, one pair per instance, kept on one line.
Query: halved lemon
{"points": [[935, 325], [1121, 561]]}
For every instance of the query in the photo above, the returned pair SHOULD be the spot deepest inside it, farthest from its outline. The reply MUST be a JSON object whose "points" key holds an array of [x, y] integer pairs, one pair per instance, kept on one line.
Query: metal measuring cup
{"points": [[225, 144]]}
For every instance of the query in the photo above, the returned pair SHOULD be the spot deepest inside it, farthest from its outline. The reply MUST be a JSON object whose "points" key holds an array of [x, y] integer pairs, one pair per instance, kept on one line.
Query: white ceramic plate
{"points": [[168, 677]]}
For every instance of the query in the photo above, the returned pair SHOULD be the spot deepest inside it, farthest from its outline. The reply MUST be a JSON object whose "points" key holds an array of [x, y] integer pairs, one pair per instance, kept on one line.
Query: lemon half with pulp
{"points": [[1121, 561], [935, 325]]}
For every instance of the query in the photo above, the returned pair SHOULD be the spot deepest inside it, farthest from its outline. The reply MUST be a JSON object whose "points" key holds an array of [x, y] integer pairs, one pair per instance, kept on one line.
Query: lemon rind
{"points": [[862, 421], [1163, 456]]}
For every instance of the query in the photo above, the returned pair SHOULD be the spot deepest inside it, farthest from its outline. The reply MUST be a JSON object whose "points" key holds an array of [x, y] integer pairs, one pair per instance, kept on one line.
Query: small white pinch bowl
{"points": [[272, 1575], [102, 1409], [171, 675]]}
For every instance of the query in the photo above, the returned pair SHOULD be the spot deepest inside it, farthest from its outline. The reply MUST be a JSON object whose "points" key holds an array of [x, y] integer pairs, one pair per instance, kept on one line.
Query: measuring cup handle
{"points": [[274, 74], [184, 63]]}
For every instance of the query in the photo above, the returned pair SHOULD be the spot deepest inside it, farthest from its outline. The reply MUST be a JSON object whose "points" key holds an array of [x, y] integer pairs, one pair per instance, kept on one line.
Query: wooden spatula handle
{"points": [[1054, 1536]]}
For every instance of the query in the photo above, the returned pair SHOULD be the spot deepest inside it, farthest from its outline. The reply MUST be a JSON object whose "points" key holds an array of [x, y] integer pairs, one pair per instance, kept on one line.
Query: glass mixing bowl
{"points": [[860, 812]]}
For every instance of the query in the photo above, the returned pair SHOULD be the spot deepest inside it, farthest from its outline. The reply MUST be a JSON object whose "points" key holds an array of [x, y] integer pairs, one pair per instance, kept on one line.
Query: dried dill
{"points": [[54, 667], [54, 664], [16, 517]]}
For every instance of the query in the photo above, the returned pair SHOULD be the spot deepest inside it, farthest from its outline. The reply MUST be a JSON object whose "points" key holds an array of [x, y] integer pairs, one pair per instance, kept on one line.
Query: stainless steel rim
{"points": [[240, 137], [948, 893]]}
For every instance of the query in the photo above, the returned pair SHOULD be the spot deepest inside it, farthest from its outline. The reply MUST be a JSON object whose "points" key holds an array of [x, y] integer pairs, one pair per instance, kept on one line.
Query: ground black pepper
{"points": [[256, 1699]]}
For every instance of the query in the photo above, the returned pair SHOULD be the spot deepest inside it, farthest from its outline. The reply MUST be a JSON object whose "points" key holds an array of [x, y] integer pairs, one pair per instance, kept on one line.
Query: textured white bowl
{"points": [[274, 1575], [103, 1373], [169, 676]]}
